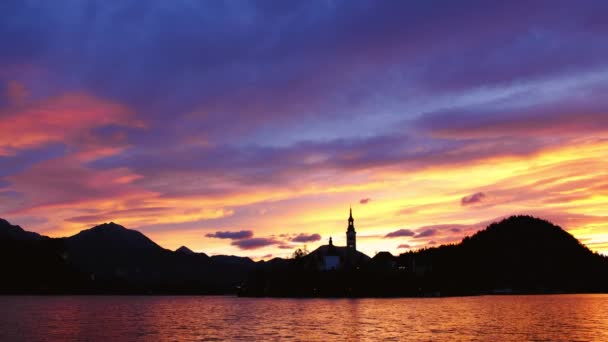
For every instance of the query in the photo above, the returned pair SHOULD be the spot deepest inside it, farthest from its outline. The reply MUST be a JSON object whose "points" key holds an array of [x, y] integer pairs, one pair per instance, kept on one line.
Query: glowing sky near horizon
{"points": [[249, 127]]}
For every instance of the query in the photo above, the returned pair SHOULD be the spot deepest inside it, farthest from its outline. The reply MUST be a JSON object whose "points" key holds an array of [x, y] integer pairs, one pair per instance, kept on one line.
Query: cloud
{"points": [[400, 233], [364, 200], [472, 199], [242, 234], [73, 119], [306, 238], [286, 246], [403, 246], [426, 233], [267, 256], [108, 139], [66, 181], [254, 243], [432, 243], [548, 118]]}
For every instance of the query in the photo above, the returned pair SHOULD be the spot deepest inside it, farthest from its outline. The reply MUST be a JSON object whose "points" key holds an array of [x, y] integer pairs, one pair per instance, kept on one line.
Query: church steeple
{"points": [[351, 235], [351, 221]]}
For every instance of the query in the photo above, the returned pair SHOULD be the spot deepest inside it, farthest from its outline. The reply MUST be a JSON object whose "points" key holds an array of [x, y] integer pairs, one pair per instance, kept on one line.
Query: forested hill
{"points": [[520, 254]]}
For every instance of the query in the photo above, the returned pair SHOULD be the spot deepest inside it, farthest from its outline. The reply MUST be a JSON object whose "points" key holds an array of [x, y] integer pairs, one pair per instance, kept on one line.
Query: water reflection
{"points": [[500, 318]]}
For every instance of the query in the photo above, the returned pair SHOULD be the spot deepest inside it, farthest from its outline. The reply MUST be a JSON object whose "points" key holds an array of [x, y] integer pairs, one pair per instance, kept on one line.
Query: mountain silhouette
{"points": [[110, 252], [520, 254], [112, 236], [110, 258], [32, 263], [184, 250], [232, 260], [11, 232]]}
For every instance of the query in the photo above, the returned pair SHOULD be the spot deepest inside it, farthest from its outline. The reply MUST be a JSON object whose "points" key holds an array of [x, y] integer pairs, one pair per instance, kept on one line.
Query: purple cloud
{"points": [[403, 246], [306, 238], [426, 233], [242, 234], [254, 243], [364, 200], [472, 199], [286, 246], [400, 233], [495, 119]]}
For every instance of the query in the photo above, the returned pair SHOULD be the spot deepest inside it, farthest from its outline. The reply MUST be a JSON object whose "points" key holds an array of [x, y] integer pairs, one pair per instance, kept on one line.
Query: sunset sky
{"points": [[249, 127]]}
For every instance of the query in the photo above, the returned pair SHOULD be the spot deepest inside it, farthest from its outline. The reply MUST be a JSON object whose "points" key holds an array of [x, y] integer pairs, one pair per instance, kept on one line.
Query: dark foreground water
{"points": [[487, 318]]}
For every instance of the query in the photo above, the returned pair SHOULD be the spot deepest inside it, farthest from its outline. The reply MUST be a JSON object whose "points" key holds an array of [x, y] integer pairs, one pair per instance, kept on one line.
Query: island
{"points": [[518, 255]]}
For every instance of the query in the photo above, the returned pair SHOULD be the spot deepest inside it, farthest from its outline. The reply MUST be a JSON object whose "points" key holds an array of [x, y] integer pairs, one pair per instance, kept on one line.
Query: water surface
{"points": [[489, 318]]}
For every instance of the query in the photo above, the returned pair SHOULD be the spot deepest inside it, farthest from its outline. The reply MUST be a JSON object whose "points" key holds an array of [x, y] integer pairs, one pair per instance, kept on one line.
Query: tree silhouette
{"points": [[300, 253]]}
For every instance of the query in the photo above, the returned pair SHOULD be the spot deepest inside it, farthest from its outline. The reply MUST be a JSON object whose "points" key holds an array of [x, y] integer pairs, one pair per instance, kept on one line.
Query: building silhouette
{"points": [[331, 257], [351, 234]]}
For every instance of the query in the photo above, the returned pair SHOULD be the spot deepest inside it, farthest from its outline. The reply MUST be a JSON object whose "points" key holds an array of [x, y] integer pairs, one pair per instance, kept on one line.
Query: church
{"points": [[330, 257]]}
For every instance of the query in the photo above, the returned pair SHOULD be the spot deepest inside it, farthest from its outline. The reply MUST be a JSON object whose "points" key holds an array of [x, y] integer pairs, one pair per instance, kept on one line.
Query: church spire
{"points": [[351, 242]]}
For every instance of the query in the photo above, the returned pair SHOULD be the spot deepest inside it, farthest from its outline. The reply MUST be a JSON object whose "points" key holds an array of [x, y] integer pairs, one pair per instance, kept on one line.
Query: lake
{"points": [[186, 318]]}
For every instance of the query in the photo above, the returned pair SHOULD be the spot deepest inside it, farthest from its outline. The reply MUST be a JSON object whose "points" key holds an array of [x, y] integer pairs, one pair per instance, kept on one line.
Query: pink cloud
{"points": [[69, 119]]}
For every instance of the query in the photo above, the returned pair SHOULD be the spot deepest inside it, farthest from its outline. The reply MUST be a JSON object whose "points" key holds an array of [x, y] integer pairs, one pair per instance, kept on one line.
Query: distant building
{"points": [[351, 234], [330, 257]]}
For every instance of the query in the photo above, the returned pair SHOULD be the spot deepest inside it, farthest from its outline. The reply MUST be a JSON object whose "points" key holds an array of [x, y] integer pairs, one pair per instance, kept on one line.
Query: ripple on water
{"points": [[500, 318]]}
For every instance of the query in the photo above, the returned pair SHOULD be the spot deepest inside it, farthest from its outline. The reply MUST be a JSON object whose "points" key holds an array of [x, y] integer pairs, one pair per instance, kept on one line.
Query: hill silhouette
{"points": [[32, 263], [110, 258], [114, 237], [184, 250], [520, 254], [11, 232]]}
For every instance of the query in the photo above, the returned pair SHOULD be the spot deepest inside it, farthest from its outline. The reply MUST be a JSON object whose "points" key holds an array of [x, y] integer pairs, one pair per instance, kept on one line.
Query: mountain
{"points": [[110, 258], [11, 232], [111, 252], [32, 263], [521, 254], [125, 258], [232, 260], [184, 250], [112, 236]]}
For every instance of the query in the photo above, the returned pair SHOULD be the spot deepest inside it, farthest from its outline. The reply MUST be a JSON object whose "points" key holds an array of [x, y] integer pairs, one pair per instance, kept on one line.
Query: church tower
{"points": [[351, 235]]}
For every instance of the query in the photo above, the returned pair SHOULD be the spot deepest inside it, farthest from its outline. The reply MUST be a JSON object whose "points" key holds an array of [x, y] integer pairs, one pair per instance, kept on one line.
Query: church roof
{"points": [[343, 252]]}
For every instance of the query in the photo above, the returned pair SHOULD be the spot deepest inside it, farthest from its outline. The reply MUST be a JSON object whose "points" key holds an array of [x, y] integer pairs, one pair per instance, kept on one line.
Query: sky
{"points": [[250, 127]]}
